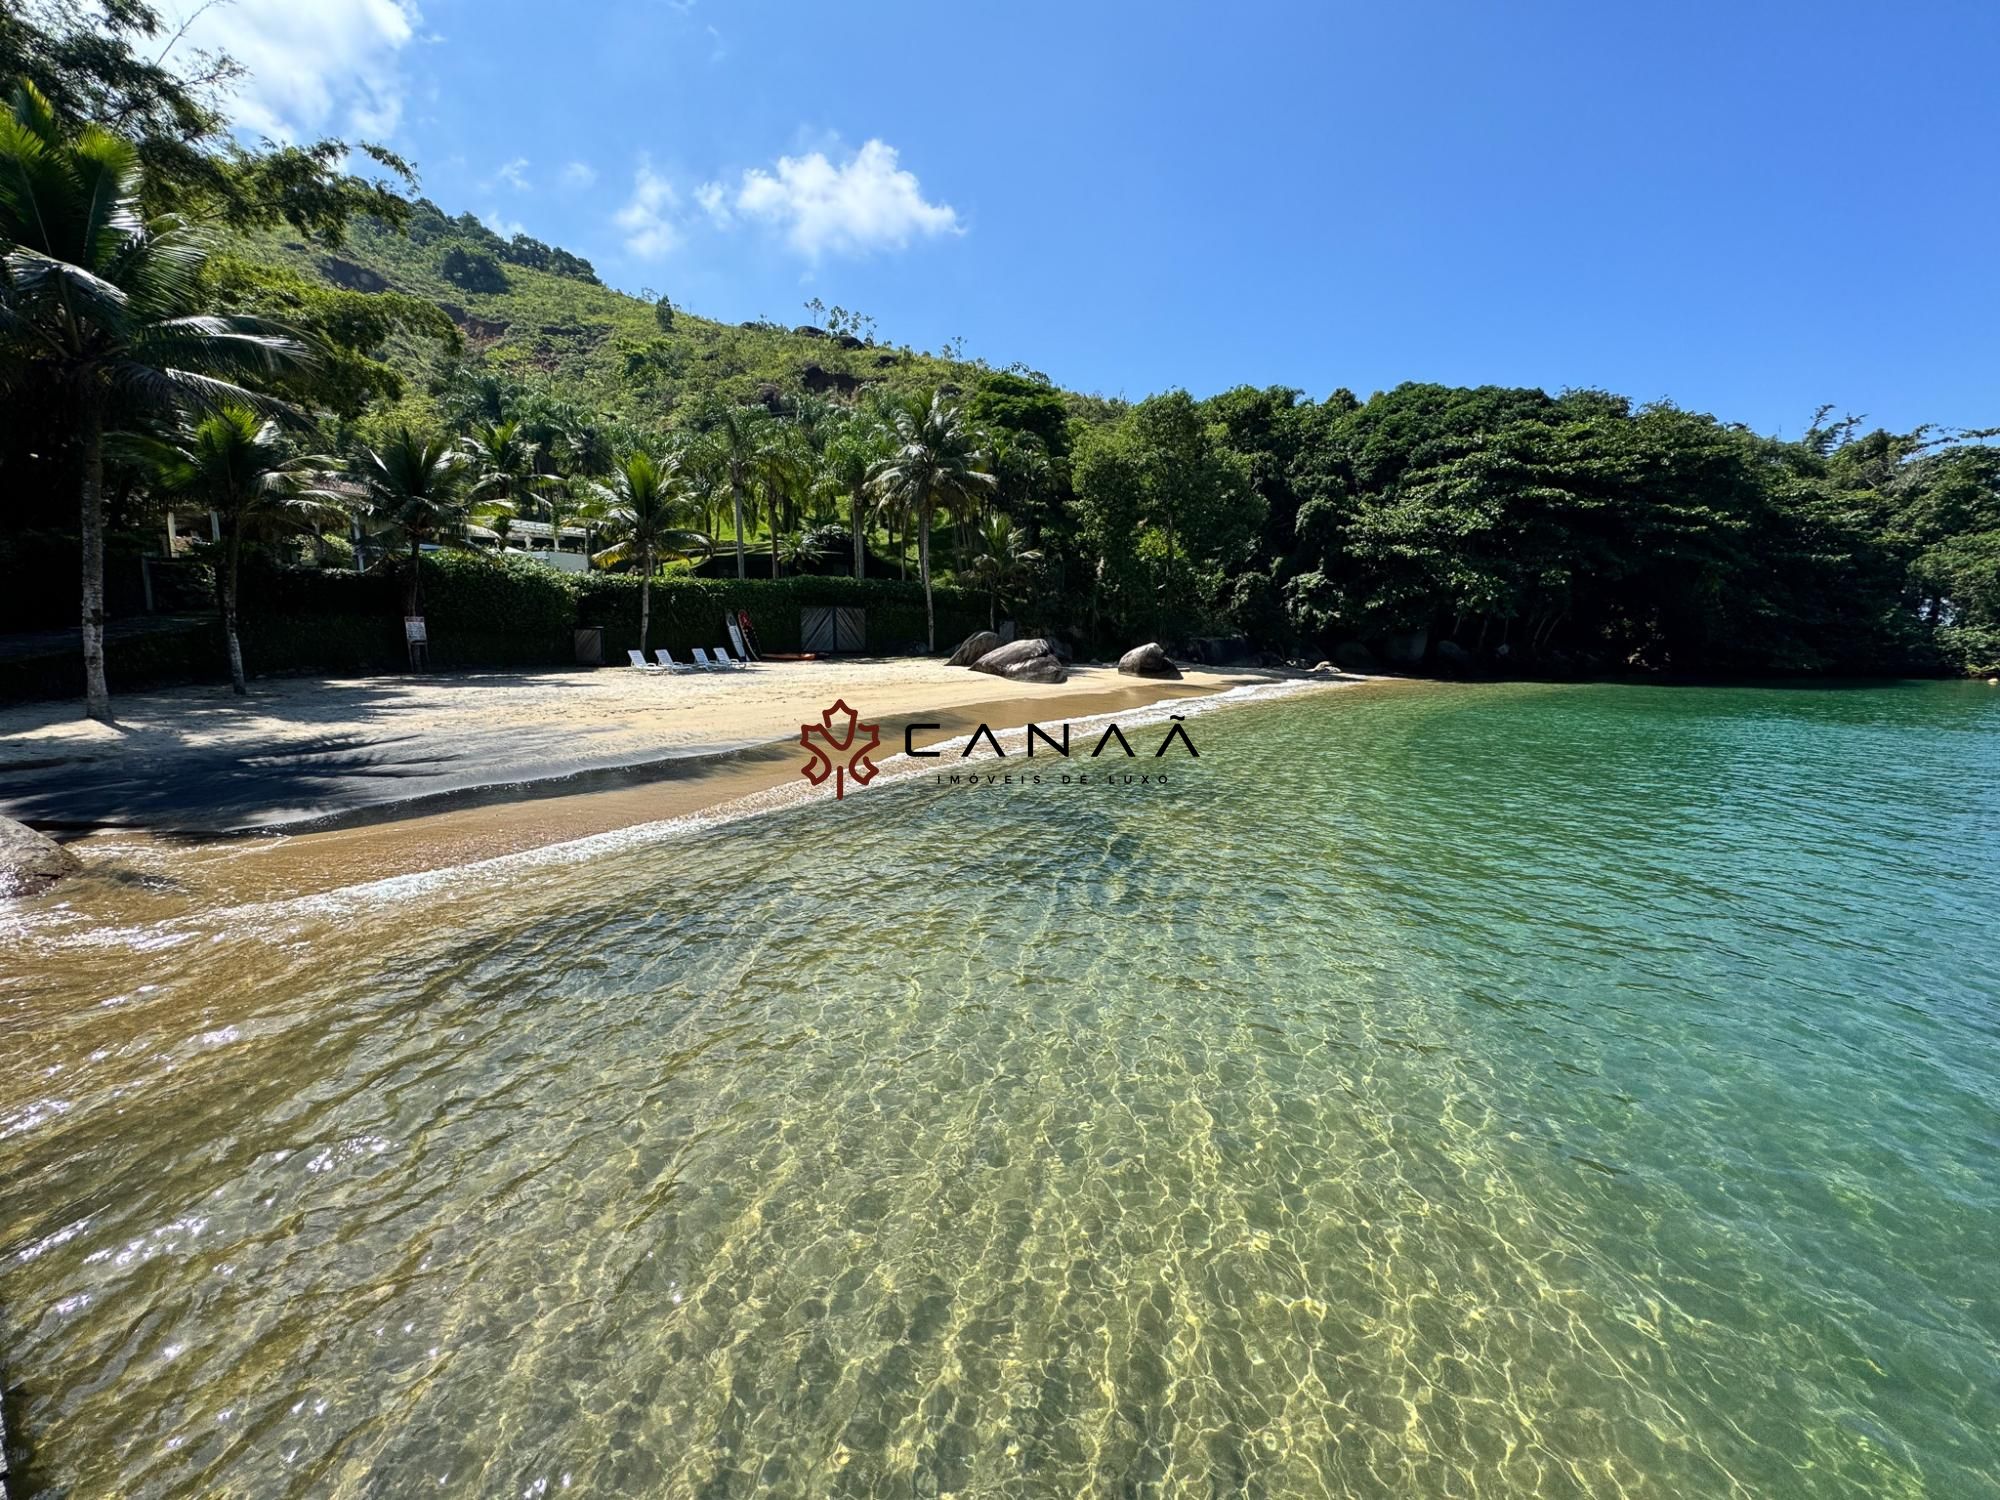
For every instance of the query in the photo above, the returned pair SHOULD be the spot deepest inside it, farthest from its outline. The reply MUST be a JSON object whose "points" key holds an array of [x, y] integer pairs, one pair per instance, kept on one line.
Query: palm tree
{"points": [[101, 305], [934, 466], [235, 463], [588, 509], [652, 513], [844, 469], [1003, 560], [502, 461], [415, 485], [781, 471], [737, 436]]}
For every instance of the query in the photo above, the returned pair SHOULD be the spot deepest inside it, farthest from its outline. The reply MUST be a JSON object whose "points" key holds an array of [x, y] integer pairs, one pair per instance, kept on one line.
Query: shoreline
{"points": [[310, 753], [139, 875]]}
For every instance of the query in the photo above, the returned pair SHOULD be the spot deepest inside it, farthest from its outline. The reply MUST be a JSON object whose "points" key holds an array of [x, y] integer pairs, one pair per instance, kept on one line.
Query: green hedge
{"points": [[193, 653], [689, 612], [484, 611]]}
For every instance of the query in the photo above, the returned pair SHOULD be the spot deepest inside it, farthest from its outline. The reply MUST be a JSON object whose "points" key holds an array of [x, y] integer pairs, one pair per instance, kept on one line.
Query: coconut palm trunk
{"points": [[856, 501], [736, 495], [924, 571], [645, 597], [413, 596], [96, 687], [232, 556]]}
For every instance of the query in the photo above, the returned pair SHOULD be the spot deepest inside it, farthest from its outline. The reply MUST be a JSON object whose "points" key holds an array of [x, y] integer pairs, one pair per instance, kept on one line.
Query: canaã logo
{"points": [[842, 753], [840, 744]]}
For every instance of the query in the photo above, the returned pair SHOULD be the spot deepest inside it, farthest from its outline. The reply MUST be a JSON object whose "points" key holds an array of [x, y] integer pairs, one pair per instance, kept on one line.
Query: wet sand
{"points": [[198, 760], [649, 756]]}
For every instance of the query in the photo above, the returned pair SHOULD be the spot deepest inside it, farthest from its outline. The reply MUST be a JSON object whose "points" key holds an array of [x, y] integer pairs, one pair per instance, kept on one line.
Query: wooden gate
{"points": [[828, 631]]}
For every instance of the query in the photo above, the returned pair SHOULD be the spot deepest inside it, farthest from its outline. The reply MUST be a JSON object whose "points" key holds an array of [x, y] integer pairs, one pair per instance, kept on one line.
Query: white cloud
{"points": [[646, 218], [314, 65], [501, 225], [866, 203], [515, 174], [714, 200], [579, 174]]}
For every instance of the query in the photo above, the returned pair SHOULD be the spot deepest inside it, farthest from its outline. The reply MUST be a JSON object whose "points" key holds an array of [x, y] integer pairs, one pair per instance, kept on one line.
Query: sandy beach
{"points": [[320, 783], [200, 760]]}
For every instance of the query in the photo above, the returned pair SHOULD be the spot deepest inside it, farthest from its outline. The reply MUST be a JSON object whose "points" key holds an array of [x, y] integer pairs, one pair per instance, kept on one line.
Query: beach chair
{"points": [[640, 664], [667, 663], [722, 655], [736, 638], [701, 660]]}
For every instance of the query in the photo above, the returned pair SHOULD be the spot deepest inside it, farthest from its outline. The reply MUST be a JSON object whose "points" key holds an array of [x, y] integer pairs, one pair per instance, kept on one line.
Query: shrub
{"points": [[486, 611], [475, 270]]}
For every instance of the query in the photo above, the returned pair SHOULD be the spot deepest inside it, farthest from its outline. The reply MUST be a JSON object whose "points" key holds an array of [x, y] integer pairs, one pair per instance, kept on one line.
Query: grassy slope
{"points": [[600, 346]]}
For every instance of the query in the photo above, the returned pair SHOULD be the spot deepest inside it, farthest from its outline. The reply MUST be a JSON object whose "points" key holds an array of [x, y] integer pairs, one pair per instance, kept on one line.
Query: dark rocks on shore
{"points": [[1148, 660], [1405, 648], [1352, 656], [1456, 657], [1220, 651], [973, 647], [1032, 660], [31, 862]]}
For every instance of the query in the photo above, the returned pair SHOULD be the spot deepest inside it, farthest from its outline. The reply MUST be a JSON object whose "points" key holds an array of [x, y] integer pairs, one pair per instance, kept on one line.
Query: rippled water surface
{"points": [[1500, 1091]]}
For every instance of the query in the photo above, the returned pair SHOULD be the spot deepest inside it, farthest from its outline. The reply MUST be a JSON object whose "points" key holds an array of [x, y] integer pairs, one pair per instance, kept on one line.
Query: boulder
{"points": [[1324, 669], [1032, 660], [973, 647], [1454, 656], [1147, 661], [31, 861], [1352, 656]]}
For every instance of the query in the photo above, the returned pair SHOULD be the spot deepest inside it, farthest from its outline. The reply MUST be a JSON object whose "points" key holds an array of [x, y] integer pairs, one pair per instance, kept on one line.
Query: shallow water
{"points": [[1430, 1091]]}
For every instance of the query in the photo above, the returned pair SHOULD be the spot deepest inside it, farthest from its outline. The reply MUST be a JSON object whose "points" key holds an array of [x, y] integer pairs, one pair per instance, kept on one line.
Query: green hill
{"points": [[534, 314]]}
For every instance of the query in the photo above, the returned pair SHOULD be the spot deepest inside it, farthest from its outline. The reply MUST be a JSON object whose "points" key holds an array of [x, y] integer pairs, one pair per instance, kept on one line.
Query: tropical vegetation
{"points": [[302, 351]]}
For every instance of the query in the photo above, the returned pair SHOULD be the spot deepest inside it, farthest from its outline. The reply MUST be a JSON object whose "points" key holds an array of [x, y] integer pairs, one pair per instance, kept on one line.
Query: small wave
{"points": [[275, 919]]}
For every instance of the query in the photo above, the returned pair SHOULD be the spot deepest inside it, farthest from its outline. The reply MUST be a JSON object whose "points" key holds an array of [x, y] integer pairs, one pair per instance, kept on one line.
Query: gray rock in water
{"points": [[1032, 660], [31, 861], [973, 647], [1148, 660]]}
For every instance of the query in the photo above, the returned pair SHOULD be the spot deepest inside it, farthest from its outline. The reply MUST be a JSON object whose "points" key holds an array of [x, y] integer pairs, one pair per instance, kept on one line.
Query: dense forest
{"points": [[344, 376]]}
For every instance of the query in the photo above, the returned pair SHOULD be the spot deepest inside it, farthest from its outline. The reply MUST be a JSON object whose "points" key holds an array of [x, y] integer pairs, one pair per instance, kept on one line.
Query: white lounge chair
{"points": [[701, 660], [667, 663], [722, 655], [640, 664]]}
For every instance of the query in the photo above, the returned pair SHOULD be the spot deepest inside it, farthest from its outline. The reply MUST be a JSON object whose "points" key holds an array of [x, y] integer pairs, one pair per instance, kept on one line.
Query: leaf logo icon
{"points": [[842, 747]]}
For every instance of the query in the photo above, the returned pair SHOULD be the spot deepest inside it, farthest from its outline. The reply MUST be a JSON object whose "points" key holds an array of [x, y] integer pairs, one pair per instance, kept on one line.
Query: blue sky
{"points": [[1749, 208]]}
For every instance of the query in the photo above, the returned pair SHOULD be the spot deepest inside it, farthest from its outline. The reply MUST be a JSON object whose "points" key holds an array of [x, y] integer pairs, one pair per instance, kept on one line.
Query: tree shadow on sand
{"points": [[247, 784]]}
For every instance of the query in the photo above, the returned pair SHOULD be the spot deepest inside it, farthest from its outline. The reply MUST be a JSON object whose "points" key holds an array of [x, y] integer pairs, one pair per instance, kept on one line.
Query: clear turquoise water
{"points": [[1484, 1091]]}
